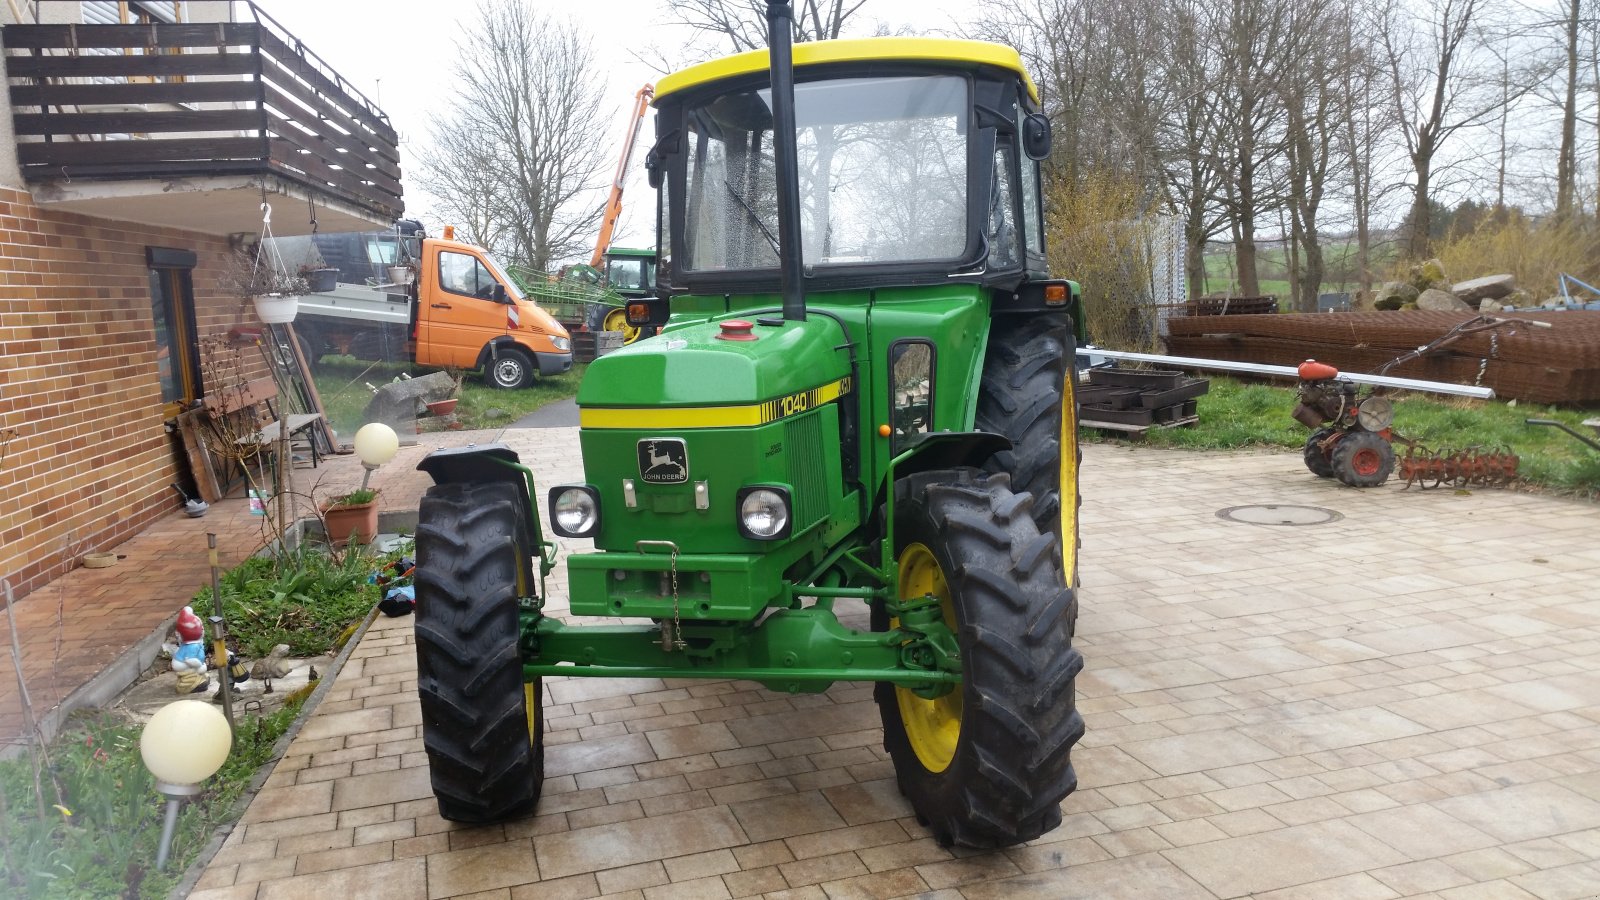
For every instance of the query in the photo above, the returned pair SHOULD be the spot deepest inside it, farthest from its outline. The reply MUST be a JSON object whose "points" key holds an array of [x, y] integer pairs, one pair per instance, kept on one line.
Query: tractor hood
{"points": [[720, 364]]}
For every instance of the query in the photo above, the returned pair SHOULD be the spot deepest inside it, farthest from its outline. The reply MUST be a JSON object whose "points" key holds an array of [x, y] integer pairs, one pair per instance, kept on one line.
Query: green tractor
{"points": [[861, 394]]}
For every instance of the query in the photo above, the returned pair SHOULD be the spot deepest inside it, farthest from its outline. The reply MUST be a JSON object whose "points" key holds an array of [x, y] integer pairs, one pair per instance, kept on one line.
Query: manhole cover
{"points": [[1273, 514]]}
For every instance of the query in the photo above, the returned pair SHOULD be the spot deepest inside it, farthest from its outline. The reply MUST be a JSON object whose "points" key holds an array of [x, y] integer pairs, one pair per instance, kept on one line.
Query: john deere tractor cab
{"points": [[631, 273], [860, 398]]}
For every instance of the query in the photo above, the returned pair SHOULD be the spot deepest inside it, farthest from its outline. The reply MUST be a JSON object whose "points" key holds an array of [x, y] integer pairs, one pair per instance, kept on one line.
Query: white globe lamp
{"points": [[376, 444], [183, 744]]}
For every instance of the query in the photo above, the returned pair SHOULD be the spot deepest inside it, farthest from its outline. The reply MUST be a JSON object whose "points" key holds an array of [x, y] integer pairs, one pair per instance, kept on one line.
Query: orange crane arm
{"points": [[608, 222]]}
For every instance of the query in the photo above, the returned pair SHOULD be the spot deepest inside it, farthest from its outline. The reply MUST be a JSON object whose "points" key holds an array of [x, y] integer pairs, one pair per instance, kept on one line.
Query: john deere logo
{"points": [[663, 461]]}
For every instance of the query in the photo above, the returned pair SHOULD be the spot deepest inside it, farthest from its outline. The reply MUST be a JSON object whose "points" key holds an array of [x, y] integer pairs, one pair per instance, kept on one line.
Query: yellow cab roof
{"points": [[810, 53]]}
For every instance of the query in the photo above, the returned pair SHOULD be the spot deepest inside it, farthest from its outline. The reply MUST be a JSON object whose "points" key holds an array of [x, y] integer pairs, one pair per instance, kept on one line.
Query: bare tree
{"points": [[1432, 61], [741, 25], [1191, 130], [454, 163], [1313, 106], [1567, 162], [1366, 117], [517, 158]]}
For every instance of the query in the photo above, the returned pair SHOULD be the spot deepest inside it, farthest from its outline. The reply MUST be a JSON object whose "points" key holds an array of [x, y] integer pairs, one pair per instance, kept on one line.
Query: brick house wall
{"points": [[92, 460]]}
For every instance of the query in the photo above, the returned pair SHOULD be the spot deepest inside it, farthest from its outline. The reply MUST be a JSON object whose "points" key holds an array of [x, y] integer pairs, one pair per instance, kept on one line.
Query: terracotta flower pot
{"points": [[443, 407], [345, 522]]}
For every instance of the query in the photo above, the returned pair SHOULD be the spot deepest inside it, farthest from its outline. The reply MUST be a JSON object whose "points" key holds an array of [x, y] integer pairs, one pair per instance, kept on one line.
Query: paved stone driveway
{"points": [[1401, 703]]}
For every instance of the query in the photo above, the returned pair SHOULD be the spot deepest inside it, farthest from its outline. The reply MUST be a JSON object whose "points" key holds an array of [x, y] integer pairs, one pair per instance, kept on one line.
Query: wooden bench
{"points": [[264, 391]]}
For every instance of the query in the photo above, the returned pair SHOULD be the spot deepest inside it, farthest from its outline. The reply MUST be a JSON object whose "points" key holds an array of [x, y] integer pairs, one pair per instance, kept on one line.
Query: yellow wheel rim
{"points": [[1069, 481], [530, 703], [617, 320], [933, 727]]}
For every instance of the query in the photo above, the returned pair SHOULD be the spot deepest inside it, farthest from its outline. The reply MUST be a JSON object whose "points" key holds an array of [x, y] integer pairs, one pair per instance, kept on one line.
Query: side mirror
{"points": [[500, 293], [1036, 136], [653, 170], [647, 312]]}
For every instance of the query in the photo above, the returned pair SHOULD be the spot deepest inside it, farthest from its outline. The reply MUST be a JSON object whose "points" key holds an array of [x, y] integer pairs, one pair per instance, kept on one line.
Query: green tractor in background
{"points": [[863, 394], [589, 298]]}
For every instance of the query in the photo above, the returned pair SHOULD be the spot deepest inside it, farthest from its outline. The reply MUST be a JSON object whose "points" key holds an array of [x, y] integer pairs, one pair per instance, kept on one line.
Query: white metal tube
{"points": [[1189, 362]]}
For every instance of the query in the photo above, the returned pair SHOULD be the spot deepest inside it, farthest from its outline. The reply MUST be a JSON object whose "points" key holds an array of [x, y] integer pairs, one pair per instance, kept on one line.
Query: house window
{"points": [[172, 309]]}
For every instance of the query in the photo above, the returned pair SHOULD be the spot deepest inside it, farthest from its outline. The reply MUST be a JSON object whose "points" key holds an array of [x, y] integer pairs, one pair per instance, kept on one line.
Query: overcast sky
{"points": [[399, 54]]}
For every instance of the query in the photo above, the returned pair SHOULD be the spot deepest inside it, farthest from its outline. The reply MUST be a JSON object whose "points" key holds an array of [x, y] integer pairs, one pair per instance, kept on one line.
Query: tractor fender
{"points": [[950, 449], [481, 463]]}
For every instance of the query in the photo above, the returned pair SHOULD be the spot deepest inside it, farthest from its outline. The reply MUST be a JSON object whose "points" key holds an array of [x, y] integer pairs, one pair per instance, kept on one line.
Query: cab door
{"points": [[461, 311]]}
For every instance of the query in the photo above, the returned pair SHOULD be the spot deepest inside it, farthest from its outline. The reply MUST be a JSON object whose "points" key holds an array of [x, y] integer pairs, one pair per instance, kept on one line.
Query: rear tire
{"points": [[1316, 460], [310, 347], [482, 726], [509, 369], [1027, 396], [989, 765], [1363, 459]]}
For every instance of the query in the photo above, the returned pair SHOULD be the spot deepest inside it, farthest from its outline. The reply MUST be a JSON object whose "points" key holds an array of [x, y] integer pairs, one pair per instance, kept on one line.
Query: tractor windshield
{"points": [[882, 164]]}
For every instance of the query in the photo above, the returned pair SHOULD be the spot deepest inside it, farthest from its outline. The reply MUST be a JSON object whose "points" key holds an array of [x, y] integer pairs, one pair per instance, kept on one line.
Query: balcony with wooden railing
{"points": [[136, 121]]}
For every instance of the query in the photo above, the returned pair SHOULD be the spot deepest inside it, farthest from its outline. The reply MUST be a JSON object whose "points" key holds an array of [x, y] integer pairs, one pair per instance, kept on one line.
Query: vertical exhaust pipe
{"points": [[780, 24]]}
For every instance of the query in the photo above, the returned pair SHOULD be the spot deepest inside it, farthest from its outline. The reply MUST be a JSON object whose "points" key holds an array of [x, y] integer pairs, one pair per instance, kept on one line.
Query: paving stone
{"points": [[1525, 811], [290, 802], [608, 846], [590, 756], [1129, 878], [765, 820], [382, 788], [481, 868], [398, 880], [1283, 858]]}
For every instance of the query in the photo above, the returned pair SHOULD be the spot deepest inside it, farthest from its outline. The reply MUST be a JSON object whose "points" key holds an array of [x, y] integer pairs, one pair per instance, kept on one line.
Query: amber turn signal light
{"points": [[1055, 294], [638, 314]]}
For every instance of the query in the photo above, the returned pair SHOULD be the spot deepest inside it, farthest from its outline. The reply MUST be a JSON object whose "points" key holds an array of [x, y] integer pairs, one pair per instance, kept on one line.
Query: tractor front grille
{"points": [[802, 439]]}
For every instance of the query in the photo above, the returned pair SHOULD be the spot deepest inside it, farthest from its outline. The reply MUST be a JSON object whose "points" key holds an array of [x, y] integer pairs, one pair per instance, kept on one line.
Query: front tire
{"points": [[1363, 459], [482, 725], [1316, 460], [509, 369], [987, 765]]}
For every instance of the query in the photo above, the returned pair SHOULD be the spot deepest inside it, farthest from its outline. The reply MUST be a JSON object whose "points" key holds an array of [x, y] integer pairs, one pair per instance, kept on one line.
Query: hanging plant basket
{"points": [[276, 309], [320, 281]]}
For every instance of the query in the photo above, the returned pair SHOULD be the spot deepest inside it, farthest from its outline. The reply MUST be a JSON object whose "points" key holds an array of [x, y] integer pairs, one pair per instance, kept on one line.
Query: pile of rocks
{"points": [[1427, 288]]}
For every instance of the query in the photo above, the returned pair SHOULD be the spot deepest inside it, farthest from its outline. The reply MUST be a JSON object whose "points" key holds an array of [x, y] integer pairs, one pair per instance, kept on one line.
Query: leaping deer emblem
{"points": [[658, 462]]}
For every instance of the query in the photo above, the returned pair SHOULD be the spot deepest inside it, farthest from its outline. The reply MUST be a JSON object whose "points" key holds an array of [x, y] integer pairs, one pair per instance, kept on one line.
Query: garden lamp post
{"points": [[183, 744], [376, 444]]}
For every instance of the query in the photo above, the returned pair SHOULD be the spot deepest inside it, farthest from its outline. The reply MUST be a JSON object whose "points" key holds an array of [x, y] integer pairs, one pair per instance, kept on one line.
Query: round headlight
{"points": [[575, 512], [560, 343], [764, 513]]}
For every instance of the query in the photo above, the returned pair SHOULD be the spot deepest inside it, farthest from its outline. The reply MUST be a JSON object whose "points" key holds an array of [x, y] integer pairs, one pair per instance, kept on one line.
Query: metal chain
{"points": [[677, 624]]}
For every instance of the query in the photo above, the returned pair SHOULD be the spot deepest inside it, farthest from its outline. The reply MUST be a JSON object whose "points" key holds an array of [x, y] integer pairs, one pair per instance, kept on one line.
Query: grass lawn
{"points": [[1237, 415], [342, 381]]}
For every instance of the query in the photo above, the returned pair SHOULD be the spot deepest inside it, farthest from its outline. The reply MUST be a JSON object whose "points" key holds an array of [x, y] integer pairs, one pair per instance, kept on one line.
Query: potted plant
{"points": [[274, 291], [320, 279], [352, 516]]}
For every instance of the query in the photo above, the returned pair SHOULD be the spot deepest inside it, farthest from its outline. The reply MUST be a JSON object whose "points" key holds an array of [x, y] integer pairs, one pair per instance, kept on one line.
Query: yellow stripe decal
{"points": [[685, 417]]}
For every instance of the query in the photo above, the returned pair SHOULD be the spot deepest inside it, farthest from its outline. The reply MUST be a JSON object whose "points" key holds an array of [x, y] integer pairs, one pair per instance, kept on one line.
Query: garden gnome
{"points": [[189, 660]]}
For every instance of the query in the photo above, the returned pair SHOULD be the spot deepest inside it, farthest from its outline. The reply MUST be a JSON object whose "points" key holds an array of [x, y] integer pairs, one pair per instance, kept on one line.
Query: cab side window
{"points": [[460, 273], [1000, 225]]}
